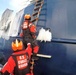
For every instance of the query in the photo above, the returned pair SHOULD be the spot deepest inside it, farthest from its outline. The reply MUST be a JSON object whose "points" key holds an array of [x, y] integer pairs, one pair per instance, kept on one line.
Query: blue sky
{"points": [[3, 4], [11, 4]]}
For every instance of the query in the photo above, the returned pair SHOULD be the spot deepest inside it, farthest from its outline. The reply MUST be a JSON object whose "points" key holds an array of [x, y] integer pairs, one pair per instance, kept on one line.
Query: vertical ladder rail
{"points": [[34, 19]]}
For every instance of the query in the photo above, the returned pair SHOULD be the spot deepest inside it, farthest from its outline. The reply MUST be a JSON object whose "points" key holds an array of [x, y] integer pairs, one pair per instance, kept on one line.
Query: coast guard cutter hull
{"points": [[60, 17]]}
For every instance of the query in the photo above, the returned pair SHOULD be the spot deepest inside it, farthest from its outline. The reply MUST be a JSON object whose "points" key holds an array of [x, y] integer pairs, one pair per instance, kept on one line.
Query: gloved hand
{"points": [[21, 35], [34, 56], [36, 49], [28, 44], [0, 71]]}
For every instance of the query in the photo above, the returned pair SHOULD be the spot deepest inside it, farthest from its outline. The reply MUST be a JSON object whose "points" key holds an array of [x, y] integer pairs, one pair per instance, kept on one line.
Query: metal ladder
{"points": [[39, 16]]}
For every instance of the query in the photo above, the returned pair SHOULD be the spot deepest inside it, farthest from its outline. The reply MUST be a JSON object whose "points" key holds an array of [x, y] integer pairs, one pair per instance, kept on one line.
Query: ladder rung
{"points": [[37, 8], [37, 4], [39, 1], [35, 13], [35, 20]]}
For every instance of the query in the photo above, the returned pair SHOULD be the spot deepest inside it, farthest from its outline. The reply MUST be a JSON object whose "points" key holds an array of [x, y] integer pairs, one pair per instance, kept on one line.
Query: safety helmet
{"points": [[17, 45], [27, 17]]}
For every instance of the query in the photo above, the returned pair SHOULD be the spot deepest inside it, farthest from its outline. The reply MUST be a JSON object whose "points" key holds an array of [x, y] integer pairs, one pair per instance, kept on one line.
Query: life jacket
{"points": [[29, 25], [22, 64]]}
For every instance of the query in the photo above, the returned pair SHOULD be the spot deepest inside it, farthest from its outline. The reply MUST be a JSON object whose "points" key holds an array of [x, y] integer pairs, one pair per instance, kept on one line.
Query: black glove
{"points": [[5, 73], [34, 56]]}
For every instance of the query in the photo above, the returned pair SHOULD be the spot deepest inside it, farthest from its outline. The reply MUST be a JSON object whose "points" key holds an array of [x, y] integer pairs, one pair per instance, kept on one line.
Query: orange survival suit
{"points": [[29, 33], [19, 62]]}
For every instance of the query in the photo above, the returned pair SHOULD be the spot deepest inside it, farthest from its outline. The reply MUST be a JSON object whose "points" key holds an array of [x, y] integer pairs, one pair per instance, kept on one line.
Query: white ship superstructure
{"points": [[9, 25]]}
